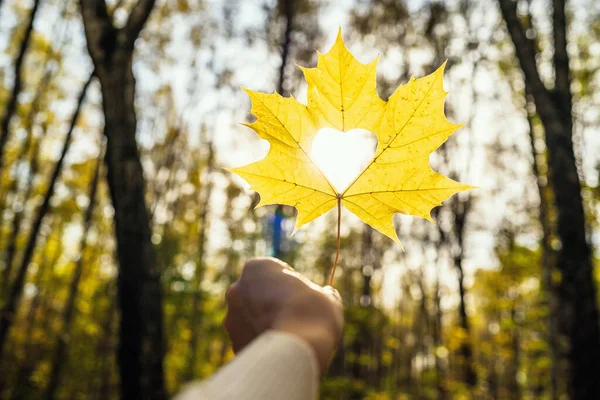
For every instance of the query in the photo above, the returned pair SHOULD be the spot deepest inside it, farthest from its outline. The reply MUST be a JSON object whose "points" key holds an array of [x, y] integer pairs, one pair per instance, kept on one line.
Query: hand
{"points": [[271, 295]]}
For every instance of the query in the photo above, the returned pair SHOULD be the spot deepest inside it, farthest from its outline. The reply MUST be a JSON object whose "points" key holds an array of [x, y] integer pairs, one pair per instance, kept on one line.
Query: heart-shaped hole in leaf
{"points": [[343, 155]]}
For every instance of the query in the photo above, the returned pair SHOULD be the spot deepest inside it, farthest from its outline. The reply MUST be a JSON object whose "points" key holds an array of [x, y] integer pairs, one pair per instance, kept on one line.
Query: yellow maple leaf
{"points": [[342, 95]]}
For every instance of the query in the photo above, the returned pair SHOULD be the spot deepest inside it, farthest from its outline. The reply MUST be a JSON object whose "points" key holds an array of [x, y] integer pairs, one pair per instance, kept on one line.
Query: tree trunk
{"points": [[548, 261], [11, 107], [363, 342], [513, 368], [43, 299], [437, 342], [577, 289], [139, 289], [10, 307], [141, 346], [22, 383], [60, 354], [23, 387], [286, 44], [461, 209], [105, 349]]}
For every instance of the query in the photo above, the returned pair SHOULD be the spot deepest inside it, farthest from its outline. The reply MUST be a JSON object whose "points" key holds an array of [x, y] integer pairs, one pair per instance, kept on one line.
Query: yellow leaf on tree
{"points": [[342, 95]]}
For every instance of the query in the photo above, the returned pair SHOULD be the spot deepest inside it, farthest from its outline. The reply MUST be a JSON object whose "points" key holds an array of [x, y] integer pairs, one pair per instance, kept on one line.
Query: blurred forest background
{"points": [[120, 231]]}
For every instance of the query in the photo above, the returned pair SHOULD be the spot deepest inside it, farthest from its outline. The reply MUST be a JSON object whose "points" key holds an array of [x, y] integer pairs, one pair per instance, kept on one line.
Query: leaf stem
{"points": [[337, 251]]}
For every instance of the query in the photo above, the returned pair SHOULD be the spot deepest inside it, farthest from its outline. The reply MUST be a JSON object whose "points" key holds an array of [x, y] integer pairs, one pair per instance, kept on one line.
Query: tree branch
{"points": [[137, 18], [11, 107], [523, 46], [561, 58], [8, 313], [286, 44], [99, 31], [525, 52]]}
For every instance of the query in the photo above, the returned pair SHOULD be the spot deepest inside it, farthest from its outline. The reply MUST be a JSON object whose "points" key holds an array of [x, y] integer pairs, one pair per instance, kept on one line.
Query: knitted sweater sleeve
{"points": [[274, 366]]}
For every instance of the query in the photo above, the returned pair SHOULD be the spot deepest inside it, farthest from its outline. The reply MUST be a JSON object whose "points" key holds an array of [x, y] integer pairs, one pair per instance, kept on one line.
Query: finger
{"points": [[333, 293], [280, 263], [232, 293], [264, 263], [238, 328]]}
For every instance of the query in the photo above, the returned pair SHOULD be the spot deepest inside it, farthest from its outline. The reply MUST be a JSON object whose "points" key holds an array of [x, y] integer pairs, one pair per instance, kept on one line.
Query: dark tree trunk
{"points": [[437, 342], [23, 387], [437, 327], [465, 350], [11, 107], [548, 260], [422, 329], [513, 368], [139, 290], [461, 209], [141, 346], [286, 45], [12, 302], [363, 342], [22, 384], [105, 350], [577, 290], [493, 379], [69, 310], [38, 314]]}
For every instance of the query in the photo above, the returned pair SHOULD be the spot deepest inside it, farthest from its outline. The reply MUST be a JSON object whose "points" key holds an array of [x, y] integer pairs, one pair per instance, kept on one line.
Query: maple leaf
{"points": [[342, 95]]}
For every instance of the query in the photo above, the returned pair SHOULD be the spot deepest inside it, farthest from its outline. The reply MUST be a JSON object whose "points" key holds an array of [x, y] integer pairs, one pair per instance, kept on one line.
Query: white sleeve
{"points": [[274, 366]]}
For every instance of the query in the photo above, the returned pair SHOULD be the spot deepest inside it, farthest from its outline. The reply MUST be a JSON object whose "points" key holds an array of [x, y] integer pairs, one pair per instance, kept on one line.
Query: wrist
{"points": [[319, 337]]}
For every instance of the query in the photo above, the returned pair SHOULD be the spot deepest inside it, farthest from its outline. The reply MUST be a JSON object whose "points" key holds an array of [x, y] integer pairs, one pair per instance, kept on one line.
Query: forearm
{"points": [[275, 366]]}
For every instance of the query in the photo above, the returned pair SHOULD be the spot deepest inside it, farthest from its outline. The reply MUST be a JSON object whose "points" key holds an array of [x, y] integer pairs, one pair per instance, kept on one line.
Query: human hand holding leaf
{"points": [[342, 95]]}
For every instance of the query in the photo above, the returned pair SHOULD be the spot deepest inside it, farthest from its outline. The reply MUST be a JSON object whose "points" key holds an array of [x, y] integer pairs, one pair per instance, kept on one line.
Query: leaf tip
{"points": [[429, 218], [339, 44], [294, 231], [399, 243], [443, 66], [251, 93], [260, 202]]}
